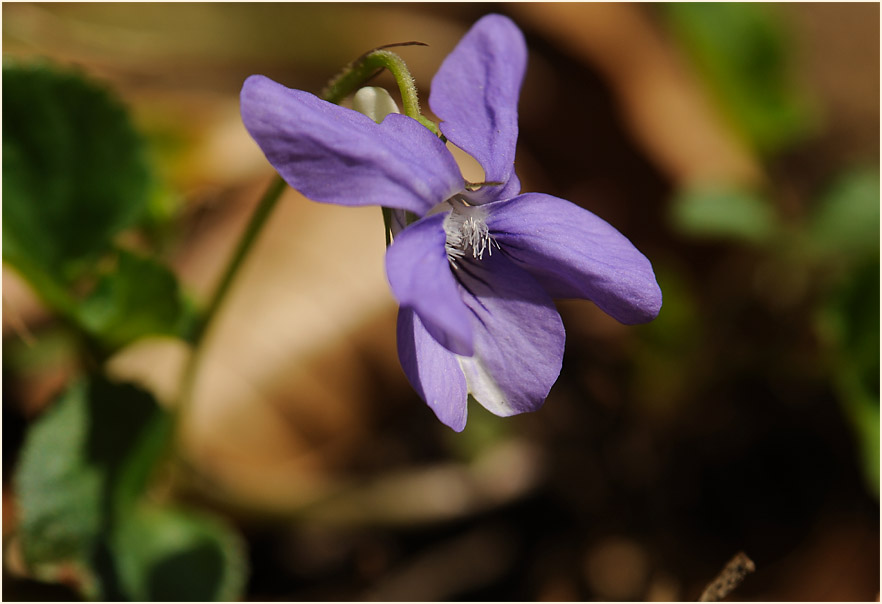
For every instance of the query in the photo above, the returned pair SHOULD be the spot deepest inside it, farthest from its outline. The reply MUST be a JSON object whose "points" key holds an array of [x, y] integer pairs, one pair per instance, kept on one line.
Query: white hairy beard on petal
{"points": [[467, 232]]}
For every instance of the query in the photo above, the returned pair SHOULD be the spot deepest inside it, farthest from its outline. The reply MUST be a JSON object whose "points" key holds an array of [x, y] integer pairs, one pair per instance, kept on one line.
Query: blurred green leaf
{"points": [[856, 305], [845, 222], [485, 431], [741, 51], [721, 212], [850, 320], [164, 554], [86, 458], [863, 412], [56, 347], [140, 297], [669, 364], [74, 173]]}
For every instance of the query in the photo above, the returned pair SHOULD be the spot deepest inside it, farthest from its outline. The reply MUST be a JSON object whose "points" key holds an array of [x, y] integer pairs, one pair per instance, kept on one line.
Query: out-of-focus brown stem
{"points": [[729, 578]]}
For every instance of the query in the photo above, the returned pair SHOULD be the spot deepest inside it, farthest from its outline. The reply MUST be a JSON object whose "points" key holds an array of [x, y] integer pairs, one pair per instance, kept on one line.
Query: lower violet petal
{"points": [[575, 254], [432, 370], [420, 278], [519, 336]]}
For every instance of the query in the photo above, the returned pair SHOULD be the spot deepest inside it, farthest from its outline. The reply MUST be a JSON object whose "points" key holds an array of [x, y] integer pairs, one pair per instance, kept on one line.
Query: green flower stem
{"points": [[387, 225], [197, 335], [258, 219]]}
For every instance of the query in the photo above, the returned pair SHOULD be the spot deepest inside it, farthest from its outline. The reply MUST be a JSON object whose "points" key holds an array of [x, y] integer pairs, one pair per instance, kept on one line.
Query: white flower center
{"points": [[467, 232]]}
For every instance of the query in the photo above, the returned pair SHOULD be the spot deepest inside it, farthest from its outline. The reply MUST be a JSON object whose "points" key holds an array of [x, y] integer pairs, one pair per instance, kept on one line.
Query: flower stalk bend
{"points": [[366, 67]]}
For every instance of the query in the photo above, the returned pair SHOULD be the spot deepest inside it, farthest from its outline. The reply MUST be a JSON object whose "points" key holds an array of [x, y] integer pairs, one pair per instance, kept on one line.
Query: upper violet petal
{"points": [[519, 336], [475, 93], [575, 254], [336, 155], [420, 278], [432, 370]]}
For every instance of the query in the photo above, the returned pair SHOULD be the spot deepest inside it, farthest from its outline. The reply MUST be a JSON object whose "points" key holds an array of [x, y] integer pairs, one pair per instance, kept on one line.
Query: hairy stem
{"points": [[366, 67]]}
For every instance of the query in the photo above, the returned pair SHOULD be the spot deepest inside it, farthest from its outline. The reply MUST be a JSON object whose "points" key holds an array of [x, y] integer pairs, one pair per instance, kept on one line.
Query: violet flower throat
{"points": [[474, 269]]}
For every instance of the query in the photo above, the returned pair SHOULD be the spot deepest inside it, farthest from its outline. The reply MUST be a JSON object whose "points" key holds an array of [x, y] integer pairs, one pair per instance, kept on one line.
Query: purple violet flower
{"points": [[476, 274]]}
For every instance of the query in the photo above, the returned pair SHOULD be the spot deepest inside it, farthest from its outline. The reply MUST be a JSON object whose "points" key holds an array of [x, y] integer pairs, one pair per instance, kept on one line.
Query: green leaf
{"points": [[89, 455], [74, 172], [485, 431], [84, 471], [741, 50], [853, 320], [721, 212], [862, 409], [167, 554], [845, 222], [668, 366], [140, 297], [850, 320]]}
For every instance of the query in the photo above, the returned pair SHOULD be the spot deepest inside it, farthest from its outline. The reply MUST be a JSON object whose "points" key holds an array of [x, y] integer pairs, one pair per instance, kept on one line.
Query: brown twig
{"points": [[729, 578]]}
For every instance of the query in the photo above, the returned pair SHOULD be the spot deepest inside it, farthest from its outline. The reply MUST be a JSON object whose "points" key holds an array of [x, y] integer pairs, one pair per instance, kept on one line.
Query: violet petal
{"points": [[432, 370], [575, 254], [336, 155], [420, 278], [475, 93], [519, 336]]}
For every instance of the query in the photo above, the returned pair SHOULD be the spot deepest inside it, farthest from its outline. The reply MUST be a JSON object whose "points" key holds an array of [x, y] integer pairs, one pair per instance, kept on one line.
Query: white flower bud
{"points": [[374, 102]]}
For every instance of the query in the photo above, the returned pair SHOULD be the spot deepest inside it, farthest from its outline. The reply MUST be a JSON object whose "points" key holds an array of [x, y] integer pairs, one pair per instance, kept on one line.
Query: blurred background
{"points": [[737, 146]]}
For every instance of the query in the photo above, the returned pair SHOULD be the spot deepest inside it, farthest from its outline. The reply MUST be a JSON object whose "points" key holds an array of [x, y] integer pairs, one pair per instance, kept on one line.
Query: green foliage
{"points": [[84, 472], [843, 234], [838, 243], [484, 432], [740, 50], [75, 176], [670, 364], [845, 222], [164, 554], [74, 172], [850, 320], [89, 455], [724, 212], [139, 297]]}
